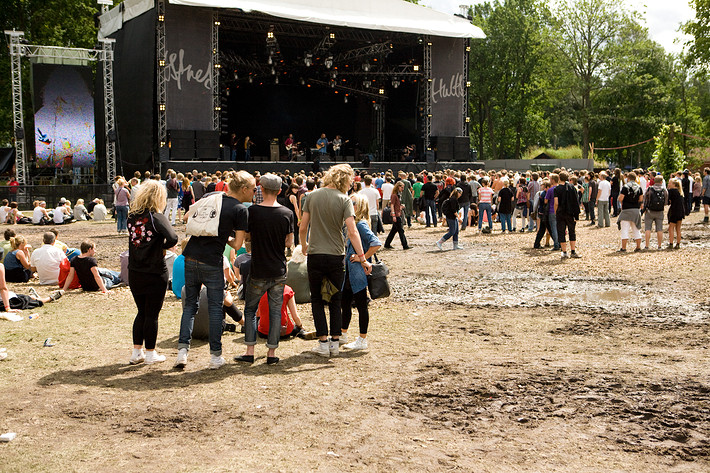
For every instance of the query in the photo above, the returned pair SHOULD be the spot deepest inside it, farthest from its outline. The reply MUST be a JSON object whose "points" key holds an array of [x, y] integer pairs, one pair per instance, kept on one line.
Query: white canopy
{"points": [[384, 15]]}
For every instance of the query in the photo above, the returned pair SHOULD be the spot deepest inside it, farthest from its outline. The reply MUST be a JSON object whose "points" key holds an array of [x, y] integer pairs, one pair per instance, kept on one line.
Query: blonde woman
{"points": [[355, 287], [676, 211], [80, 212], [123, 197], [17, 262], [326, 210], [150, 234]]}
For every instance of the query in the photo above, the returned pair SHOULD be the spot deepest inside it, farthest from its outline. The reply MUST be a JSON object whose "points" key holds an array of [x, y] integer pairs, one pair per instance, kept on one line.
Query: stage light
{"points": [[468, 49], [366, 84], [376, 106], [273, 71], [468, 119], [332, 35], [270, 61], [236, 76], [270, 35], [251, 79], [217, 66], [381, 91], [334, 75], [415, 68], [161, 17], [162, 144], [429, 115], [162, 107], [420, 40], [308, 60], [217, 23], [366, 67], [218, 108], [428, 43], [329, 62], [468, 83], [430, 80], [276, 80], [345, 99], [161, 63], [332, 83], [395, 83], [303, 82]]}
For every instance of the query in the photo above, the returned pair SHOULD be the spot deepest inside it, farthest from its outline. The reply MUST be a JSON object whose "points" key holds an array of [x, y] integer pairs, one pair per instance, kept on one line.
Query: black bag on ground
{"points": [[387, 216], [377, 282]]}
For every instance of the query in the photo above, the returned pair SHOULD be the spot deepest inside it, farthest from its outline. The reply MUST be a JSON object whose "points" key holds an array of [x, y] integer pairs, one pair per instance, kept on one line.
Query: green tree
{"points": [[586, 33], [668, 157], [698, 54]]}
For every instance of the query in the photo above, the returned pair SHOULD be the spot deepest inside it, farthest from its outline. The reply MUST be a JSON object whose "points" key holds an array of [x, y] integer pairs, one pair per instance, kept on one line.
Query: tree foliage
{"points": [[668, 157], [698, 54]]}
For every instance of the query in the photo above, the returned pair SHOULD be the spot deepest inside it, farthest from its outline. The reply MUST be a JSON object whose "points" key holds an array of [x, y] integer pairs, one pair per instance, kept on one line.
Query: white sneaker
{"points": [[216, 362], [359, 344], [343, 339], [153, 357], [334, 347], [137, 357], [321, 349], [181, 358], [438, 245], [457, 246]]}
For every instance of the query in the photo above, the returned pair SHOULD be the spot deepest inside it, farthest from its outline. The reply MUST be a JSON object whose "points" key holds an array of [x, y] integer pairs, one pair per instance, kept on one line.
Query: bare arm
{"points": [[70, 279], [303, 231], [97, 278], [294, 312], [4, 293], [23, 259], [289, 240], [237, 242], [556, 202]]}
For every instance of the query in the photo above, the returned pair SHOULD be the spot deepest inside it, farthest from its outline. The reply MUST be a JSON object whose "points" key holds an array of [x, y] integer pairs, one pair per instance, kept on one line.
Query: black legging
{"points": [[331, 267], [396, 228], [361, 304], [18, 275], [148, 292]]}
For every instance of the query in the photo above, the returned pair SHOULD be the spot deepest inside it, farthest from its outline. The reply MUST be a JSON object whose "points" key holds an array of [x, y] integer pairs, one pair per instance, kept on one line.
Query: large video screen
{"points": [[65, 135]]}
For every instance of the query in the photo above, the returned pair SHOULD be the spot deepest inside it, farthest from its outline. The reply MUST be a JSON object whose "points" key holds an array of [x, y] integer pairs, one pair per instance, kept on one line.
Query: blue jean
{"points": [[465, 206], [552, 220], [505, 221], [110, 277], [253, 291], [485, 207], [430, 208], [453, 231], [197, 274], [533, 218], [122, 217]]}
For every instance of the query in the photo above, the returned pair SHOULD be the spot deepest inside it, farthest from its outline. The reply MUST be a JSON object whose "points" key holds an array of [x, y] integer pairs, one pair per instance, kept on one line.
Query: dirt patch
{"points": [[665, 417]]}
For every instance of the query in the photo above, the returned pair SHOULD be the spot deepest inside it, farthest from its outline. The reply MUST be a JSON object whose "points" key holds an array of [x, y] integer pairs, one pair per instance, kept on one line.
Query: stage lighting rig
{"points": [[308, 60], [366, 66], [328, 62]]}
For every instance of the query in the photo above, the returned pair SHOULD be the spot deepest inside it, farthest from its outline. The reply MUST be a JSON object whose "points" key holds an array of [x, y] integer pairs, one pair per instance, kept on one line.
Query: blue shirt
{"points": [[11, 261], [324, 143], [358, 278], [178, 276], [378, 183]]}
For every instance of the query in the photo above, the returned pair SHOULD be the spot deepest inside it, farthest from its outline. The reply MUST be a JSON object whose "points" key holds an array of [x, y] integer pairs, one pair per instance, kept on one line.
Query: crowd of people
{"points": [[241, 229]]}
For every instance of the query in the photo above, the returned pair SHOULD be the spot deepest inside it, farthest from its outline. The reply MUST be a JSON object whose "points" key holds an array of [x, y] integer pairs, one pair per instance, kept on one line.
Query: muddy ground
{"points": [[495, 358]]}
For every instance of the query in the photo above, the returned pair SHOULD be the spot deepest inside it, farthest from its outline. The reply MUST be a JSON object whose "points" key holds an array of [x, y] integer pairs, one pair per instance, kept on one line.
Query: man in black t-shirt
{"points": [[567, 212], [271, 231], [430, 192], [91, 277], [203, 266]]}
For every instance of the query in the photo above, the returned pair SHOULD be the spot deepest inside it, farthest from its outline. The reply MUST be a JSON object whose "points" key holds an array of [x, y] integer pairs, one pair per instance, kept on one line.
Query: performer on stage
{"points": [[322, 145], [247, 148], [233, 143], [337, 144], [290, 145]]}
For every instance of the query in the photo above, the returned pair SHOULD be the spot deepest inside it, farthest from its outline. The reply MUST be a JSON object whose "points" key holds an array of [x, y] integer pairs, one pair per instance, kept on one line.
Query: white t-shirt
{"points": [[99, 212], [3, 213], [604, 190], [58, 214], [387, 190], [373, 196], [37, 215], [47, 259]]}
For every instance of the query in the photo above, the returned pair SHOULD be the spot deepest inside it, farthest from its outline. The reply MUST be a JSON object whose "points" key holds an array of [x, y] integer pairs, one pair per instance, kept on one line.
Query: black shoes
{"points": [[272, 360], [245, 358]]}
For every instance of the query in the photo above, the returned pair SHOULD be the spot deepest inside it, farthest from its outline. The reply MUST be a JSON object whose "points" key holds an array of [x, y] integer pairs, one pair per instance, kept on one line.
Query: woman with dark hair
{"points": [[150, 234], [17, 262], [397, 218], [450, 208], [615, 190]]}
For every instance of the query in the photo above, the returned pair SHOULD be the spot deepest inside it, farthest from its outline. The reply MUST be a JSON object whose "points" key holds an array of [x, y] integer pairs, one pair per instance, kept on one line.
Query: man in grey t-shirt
{"points": [[705, 193]]}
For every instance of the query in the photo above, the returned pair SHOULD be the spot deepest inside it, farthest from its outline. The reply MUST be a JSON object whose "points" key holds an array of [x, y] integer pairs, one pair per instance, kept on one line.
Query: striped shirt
{"points": [[485, 195]]}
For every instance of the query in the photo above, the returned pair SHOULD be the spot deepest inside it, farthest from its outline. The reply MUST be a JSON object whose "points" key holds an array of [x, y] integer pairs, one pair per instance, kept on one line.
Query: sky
{"points": [[663, 17]]}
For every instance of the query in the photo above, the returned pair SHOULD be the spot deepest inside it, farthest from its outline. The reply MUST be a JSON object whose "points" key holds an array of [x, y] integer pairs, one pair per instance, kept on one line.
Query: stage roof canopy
{"points": [[382, 15]]}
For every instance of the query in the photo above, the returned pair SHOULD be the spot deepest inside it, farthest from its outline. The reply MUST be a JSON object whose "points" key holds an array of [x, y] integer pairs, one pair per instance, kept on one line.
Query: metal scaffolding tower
{"points": [[467, 84], [427, 93], [162, 78], [216, 65], [19, 49]]}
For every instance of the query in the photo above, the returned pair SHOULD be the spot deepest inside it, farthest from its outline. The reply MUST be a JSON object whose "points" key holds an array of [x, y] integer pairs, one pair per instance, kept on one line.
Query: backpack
{"points": [[542, 207], [657, 199], [634, 191], [203, 216]]}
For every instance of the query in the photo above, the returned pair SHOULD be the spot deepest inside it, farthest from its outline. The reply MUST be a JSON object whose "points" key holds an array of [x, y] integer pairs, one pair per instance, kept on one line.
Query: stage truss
{"points": [[19, 48]]}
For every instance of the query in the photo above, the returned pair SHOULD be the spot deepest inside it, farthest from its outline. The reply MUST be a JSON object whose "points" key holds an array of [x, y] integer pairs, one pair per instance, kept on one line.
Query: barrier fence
{"points": [[25, 195]]}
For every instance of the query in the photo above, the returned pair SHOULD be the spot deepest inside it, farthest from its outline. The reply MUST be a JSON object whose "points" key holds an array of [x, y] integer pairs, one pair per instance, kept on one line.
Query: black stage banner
{"points": [[190, 68], [448, 91]]}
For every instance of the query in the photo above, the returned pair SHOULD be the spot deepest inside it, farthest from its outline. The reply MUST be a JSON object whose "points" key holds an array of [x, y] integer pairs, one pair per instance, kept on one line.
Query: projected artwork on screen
{"points": [[64, 116]]}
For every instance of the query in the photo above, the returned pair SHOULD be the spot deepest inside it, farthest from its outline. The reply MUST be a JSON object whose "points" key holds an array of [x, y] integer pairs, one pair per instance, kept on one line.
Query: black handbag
{"points": [[387, 216], [377, 282]]}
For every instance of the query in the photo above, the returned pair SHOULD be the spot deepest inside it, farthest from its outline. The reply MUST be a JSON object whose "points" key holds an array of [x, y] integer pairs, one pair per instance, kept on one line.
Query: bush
{"points": [[570, 152], [668, 157]]}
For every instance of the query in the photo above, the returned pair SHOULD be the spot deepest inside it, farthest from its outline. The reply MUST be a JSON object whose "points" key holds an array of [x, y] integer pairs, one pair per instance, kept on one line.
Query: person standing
{"points": [[204, 266], [566, 212], [123, 197], [654, 202], [593, 191], [603, 195], [485, 204], [322, 145], [289, 145], [533, 188], [247, 148], [271, 231], [397, 218], [198, 188], [430, 193], [150, 234], [407, 198], [326, 210], [373, 199], [450, 209], [705, 194], [630, 199], [173, 189], [615, 189], [686, 184], [676, 211]]}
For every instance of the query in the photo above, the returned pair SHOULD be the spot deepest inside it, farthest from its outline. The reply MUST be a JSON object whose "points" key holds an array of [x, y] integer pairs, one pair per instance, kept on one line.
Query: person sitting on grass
{"points": [[91, 277], [12, 302], [17, 262], [5, 244], [40, 216], [46, 260]]}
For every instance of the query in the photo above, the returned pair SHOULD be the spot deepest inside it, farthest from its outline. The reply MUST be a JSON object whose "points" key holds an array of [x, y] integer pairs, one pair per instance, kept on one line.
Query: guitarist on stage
{"points": [[322, 144], [290, 145]]}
